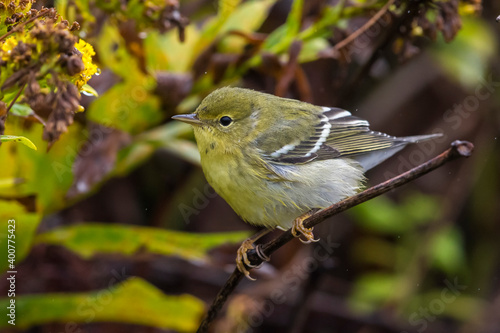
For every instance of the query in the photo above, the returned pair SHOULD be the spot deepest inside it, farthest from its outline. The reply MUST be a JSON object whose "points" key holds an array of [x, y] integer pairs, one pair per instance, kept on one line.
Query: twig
{"points": [[457, 149], [288, 72], [363, 28], [16, 97], [382, 44], [18, 27], [332, 52]]}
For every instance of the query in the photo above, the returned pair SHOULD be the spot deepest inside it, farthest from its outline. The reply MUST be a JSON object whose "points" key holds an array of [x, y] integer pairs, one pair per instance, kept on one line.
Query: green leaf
{"points": [[169, 137], [311, 49], [371, 290], [172, 137], [294, 20], [131, 157], [47, 175], [170, 131], [66, 8], [21, 110], [128, 106], [226, 7], [212, 27], [467, 58], [446, 250], [239, 20], [382, 215], [167, 52], [88, 90], [113, 54], [134, 301], [15, 138], [421, 208], [187, 150], [10, 182], [281, 38], [88, 240], [322, 27], [458, 303], [21, 234], [275, 38]]}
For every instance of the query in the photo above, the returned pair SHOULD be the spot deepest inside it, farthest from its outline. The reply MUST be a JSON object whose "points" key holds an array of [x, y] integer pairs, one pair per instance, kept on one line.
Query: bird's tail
{"points": [[372, 158], [420, 138]]}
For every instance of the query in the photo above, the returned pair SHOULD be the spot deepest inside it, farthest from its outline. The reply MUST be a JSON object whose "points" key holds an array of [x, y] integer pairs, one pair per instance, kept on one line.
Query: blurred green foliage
{"points": [[24, 232], [467, 57], [92, 238], [134, 301]]}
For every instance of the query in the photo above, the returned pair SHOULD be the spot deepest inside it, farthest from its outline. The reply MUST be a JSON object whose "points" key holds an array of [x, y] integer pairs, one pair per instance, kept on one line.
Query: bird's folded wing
{"points": [[337, 133]]}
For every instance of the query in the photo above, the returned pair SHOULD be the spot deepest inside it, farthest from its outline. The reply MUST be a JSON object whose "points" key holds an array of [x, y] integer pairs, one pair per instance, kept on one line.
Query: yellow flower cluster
{"points": [[6, 48], [87, 52]]}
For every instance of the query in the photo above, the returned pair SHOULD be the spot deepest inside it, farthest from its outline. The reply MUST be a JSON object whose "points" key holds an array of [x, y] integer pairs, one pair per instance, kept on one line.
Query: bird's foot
{"points": [[242, 261], [298, 228]]}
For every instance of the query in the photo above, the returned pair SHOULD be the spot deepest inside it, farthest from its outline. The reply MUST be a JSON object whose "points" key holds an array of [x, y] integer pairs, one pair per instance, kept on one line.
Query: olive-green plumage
{"points": [[273, 159]]}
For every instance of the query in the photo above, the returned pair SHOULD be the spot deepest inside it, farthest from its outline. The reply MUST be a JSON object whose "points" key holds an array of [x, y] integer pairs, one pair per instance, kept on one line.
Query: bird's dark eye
{"points": [[225, 121]]}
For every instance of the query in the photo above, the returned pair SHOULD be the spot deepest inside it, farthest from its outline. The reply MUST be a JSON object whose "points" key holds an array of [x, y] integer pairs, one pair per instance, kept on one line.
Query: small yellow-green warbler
{"points": [[275, 159]]}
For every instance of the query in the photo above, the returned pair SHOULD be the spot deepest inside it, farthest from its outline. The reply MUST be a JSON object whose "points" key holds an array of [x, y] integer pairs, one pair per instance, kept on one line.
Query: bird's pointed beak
{"points": [[191, 119]]}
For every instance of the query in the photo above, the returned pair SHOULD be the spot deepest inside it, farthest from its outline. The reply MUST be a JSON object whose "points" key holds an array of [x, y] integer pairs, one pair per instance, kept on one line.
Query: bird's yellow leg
{"points": [[242, 258], [298, 228]]}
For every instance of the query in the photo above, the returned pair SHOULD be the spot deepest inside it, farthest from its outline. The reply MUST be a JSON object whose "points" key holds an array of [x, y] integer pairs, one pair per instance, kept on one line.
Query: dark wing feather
{"points": [[337, 134]]}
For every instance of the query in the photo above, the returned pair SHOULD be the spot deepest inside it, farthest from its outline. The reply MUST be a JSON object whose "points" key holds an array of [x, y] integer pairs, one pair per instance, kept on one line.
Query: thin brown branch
{"points": [[17, 28], [288, 72], [457, 149], [16, 97], [382, 45], [364, 27]]}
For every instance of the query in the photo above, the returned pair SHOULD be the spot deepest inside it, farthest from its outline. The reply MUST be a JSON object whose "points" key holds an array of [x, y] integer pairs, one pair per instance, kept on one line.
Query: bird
{"points": [[276, 160]]}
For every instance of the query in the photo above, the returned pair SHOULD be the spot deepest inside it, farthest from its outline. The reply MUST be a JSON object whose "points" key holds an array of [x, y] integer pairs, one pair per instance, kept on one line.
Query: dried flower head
{"points": [[12, 13], [160, 15], [45, 64]]}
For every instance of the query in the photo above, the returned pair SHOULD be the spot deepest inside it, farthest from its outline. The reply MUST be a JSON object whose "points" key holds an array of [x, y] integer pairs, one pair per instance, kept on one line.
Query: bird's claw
{"points": [[242, 257], [298, 229]]}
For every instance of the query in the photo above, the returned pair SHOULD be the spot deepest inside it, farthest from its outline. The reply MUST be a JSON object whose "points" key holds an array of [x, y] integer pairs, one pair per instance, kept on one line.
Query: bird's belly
{"points": [[246, 192], [276, 203]]}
